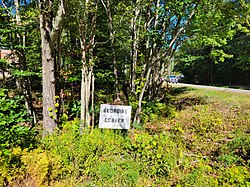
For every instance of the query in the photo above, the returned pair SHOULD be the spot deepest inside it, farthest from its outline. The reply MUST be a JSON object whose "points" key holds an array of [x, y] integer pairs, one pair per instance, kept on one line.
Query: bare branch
{"points": [[4, 5]]}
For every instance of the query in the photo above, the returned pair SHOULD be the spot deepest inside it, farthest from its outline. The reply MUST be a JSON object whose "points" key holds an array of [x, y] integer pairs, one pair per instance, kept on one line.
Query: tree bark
{"points": [[135, 40], [83, 90], [137, 116], [87, 82], [50, 28]]}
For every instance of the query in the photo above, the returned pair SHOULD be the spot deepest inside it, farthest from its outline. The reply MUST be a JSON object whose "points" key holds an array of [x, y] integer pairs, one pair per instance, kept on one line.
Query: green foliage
{"points": [[11, 168], [206, 144], [92, 154], [74, 109], [100, 157], [155, 110], [3, 64], [21, 73], [236, 151], [216, 53], [234, 176], [156, 153], [9, 106], [13, 118], [200, 176], [15, 135]]}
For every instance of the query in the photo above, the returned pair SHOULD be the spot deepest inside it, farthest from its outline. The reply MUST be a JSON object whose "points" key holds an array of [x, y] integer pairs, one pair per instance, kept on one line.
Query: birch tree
{"points": [[135, 31], [163, 31], [87, 37]]}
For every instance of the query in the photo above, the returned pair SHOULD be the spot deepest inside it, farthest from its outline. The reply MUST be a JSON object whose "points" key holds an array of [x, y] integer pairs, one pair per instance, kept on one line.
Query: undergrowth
{"points": [[205, 142]]}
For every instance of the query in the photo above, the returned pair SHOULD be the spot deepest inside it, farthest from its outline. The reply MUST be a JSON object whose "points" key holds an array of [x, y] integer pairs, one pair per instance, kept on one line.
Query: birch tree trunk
{"points": [[135, 39], [87, 37], [87, 91]]}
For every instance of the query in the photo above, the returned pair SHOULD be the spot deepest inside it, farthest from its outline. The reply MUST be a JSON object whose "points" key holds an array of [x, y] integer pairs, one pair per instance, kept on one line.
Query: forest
{"points": [[60, 60]]}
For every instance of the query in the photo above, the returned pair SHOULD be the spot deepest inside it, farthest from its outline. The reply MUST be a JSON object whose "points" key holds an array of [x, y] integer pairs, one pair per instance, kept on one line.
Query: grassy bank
{"points": [[206, 142]]}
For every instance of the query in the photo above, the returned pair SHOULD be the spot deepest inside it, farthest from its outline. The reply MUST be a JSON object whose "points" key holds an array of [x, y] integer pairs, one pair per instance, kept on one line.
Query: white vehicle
{"points": [[173, 79]]}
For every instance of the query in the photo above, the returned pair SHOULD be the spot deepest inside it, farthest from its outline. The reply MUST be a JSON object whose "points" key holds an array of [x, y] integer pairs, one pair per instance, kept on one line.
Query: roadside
{"points": [[212, 88]]}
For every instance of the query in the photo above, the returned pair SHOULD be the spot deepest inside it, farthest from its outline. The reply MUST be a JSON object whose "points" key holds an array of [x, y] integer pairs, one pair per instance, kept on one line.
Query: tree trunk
{"points": [[135, 40], [48, 80], [86, 92], [50, 27], [83, 91], [92, 101], [87, 82], [137, 117], [87, 89]]}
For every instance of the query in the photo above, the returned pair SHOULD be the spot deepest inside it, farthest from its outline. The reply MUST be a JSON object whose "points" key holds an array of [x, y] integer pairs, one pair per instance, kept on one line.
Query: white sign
{"points": [[115, 116]]}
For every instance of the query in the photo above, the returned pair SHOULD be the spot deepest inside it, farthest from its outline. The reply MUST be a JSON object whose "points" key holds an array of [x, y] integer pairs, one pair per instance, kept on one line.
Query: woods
{"points": [[212, 54], [126, 46], [63, 59]]}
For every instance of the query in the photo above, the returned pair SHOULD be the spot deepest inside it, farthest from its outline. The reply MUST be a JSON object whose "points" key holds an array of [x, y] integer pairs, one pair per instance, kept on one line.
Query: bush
{"points": [[152, 111], [13, 116], [14, 137], [97, 157], [201, 175], [156, 154], [234, 176]]}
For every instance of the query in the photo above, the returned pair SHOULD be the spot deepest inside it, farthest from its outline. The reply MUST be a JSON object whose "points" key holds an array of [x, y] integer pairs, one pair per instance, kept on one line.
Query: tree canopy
{"points": [[89, 52], [216, 52]]}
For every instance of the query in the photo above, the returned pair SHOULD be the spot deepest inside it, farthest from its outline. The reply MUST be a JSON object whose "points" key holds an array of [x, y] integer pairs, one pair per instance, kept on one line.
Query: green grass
{"points": [[223, 97], [214, 128]]}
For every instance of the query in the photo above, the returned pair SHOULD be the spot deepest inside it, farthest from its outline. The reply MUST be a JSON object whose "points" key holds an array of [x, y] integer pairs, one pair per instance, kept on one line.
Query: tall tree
{"points": [[51, 19], [217, 44], [82, 17], [164, 29]]}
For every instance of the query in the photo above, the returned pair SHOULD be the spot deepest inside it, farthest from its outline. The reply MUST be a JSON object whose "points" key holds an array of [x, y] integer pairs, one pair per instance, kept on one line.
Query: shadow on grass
{"points": [[242, 87], [181, 102]]}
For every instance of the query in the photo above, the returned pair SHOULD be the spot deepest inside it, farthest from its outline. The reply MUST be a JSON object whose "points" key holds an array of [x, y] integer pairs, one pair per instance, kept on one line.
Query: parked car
{"points": [[173, 79]]}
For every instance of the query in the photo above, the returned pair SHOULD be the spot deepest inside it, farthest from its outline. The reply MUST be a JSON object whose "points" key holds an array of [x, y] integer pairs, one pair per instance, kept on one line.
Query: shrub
{"points": [[14, 137], [154, 110], [156, 154], [12, 117], [234, 176], [97, 157]]}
